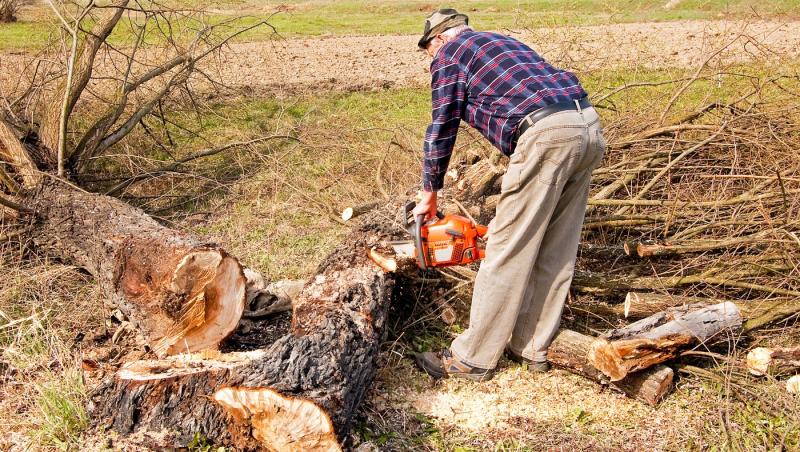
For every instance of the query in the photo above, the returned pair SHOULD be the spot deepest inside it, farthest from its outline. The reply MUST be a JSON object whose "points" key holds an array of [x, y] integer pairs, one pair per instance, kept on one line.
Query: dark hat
{"points": [[440, 21]]}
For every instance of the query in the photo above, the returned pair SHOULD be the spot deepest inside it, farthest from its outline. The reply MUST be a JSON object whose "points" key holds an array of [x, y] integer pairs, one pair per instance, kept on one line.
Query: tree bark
{"points": [[184, 294], [658, 338], [757, 312], [14, 152], [569, 350], [356, 211], [300, 393], [774, 361]]}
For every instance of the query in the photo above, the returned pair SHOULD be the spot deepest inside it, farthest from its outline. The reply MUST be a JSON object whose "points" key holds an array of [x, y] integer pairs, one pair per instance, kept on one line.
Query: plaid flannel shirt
{"points": [[491, 81]]}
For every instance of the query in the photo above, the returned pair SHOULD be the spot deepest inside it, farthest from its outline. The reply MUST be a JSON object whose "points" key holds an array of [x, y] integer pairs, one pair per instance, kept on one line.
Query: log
{"points": [[757, 312], [658, 338], [773, 361], [643, 304], [299, 393], [478, 179], [569, 350], [696, 246], [183, 293], [356, 211], [264, 299]]}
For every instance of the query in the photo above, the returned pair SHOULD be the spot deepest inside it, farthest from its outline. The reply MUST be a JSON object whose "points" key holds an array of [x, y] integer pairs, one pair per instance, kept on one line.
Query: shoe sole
{"points": [[532, 367], [435, 373], [474, 377]]}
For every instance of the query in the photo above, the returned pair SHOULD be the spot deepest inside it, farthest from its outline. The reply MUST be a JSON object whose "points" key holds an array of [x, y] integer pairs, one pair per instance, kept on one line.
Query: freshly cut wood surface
{"points": [[184, 294], [658, 338], [773, 361], [569, 350]]}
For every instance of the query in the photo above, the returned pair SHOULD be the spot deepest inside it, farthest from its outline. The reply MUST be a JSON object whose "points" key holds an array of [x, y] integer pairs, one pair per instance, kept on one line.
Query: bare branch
{"points": [[65, 106], [6, 180], [82, 60], [115, 190], [16, 206]]}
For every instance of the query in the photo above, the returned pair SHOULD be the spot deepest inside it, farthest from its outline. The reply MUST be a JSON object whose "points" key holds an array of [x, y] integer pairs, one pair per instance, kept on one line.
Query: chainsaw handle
{"points": [[419, 220]]}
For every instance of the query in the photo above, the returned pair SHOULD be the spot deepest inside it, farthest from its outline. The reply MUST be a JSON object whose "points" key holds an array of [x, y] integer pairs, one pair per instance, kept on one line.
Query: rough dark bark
{"points": [[569, 350], [184, 294], [658, 338], [299, 393]]}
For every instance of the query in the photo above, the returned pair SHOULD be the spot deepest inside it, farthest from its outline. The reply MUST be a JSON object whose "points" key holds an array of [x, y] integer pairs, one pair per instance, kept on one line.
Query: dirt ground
{"points": [[354, 63], [357, 63]]}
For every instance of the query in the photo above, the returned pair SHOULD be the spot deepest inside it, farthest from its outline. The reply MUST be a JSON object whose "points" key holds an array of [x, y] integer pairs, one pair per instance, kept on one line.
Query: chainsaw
{"points": [[449, 240]]}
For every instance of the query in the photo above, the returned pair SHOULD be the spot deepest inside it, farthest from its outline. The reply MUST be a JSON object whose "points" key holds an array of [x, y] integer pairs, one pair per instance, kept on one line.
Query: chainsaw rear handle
{"points": [[419, 221], [416, 232]]}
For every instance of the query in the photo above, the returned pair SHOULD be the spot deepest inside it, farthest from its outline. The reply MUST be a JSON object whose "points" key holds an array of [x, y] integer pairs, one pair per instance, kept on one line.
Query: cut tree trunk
{"points": [[658, 338], [184, 294], [774, 361], [569, 350], [300, 393]]}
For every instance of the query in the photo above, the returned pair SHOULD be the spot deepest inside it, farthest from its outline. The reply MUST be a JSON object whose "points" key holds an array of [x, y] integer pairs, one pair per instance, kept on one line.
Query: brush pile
{"points": [[695, 210]]}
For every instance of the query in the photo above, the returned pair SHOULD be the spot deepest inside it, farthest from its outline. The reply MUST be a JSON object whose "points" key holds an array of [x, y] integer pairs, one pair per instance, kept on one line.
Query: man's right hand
{"points": [[427, 205]]}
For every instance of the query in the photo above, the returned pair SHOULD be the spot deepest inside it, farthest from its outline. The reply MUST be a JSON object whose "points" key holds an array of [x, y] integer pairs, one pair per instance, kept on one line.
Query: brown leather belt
{"points": [[528, 121]]}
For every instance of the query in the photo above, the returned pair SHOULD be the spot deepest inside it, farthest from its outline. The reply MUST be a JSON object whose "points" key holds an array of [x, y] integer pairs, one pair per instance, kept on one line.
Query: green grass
{"points": [[281, 220], [24, 35], [387, 17], [61, 410]]}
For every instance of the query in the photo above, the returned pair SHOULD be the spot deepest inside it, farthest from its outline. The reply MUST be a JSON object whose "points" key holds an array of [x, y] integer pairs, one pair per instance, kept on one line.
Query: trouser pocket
{"points": [[555, 157]]}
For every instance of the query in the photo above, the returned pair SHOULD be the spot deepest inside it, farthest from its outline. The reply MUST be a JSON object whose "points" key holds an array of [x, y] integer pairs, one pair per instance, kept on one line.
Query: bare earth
{"points": [[352, 63], [356, 63]]}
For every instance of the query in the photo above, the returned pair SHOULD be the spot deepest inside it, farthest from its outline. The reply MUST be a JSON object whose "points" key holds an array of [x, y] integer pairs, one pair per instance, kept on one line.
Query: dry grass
{"points": [[43, 307], [274, 206]]}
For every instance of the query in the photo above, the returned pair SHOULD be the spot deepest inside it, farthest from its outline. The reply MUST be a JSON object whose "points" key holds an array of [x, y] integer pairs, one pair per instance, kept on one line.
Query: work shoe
{"points": [[443, 364], [533, 366]]}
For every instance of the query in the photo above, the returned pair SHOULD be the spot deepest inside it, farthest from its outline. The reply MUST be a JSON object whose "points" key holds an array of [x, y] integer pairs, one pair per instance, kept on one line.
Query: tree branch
{"points": [[13, 152], [115, 190], [53, 125], [16, 206]]}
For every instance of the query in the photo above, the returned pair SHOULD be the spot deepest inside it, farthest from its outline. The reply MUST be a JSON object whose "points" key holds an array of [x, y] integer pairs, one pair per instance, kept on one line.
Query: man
{"points": [[540, 117]]}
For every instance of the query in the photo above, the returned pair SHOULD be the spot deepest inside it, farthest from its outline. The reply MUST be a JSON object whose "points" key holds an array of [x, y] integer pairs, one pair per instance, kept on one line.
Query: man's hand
{"points": [[427, 205]]}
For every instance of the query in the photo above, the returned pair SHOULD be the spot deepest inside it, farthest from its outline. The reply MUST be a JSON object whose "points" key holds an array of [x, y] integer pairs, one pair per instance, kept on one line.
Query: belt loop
{"points": [[580, 110]]}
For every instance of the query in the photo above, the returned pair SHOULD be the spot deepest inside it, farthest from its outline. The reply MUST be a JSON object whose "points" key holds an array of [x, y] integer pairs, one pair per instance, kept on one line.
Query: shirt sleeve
{"points": [[448, 85]]}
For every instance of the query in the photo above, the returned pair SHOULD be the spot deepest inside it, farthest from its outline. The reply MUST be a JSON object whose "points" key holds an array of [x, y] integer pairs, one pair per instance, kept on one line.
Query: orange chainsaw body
{"points": [[451, 240]]}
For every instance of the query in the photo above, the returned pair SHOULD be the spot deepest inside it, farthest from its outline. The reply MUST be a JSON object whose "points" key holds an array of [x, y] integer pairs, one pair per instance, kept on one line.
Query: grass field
{"points": [[384, 17]]}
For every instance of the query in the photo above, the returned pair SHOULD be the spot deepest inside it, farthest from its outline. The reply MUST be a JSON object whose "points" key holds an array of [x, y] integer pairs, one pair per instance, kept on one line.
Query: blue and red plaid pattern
{"points": [[491, 81]]}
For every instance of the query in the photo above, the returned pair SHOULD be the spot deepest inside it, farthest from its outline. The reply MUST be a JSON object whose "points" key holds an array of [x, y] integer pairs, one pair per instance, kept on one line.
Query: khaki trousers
{"points": [[523, 282]]}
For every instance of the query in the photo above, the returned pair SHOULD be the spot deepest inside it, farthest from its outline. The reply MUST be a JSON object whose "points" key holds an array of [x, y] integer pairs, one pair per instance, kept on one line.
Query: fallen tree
{"points": [[184, 293], [299, 393]]}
